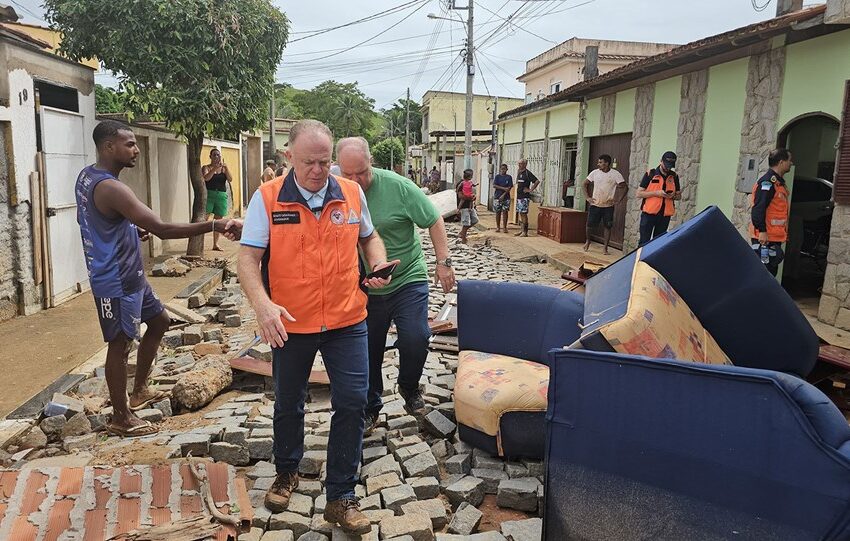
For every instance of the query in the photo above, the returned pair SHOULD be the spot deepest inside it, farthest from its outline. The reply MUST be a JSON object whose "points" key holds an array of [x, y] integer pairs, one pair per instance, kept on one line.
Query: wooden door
{"points": [[619, 148]]}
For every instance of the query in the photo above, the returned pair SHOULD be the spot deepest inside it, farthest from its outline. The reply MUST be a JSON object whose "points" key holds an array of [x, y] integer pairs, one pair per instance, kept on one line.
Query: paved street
{"points": [[411, 466]]}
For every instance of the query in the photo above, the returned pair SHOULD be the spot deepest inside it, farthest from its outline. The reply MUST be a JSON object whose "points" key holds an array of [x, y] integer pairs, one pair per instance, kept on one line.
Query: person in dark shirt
{"points": [[217, 176], [769, 215], [526, 183], [503, 183], [658, 189]]}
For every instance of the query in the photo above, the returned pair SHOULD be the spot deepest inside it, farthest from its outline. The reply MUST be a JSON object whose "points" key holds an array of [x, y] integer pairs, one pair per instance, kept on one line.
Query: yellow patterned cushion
{"points": [[489, 385], [658, 323]]}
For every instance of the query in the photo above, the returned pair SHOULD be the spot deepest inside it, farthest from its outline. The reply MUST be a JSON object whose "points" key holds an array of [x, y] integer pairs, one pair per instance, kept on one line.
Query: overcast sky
{"points": [[384, 70]]}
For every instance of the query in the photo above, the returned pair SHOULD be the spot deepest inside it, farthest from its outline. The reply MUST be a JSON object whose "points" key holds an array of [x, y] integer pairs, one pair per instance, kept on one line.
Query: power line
{"points": [[759, 8], [28, 10], [318, 32], [381, 33], [485, 8], [480, 55], [483, 79]]}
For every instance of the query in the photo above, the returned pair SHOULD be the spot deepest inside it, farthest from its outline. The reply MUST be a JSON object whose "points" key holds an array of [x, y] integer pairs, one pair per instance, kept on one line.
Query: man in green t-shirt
{"points": [[398, 207]]}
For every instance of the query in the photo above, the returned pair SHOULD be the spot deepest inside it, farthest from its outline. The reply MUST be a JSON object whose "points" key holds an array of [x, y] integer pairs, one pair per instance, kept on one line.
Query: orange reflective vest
{"points": [[776, 215], [652, 205], [311, 265]]}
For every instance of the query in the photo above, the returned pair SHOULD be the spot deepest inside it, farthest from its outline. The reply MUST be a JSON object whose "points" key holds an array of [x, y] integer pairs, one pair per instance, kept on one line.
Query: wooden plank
{"points": [[37, 209], [835, 356], [263, 368], [829, 334]]}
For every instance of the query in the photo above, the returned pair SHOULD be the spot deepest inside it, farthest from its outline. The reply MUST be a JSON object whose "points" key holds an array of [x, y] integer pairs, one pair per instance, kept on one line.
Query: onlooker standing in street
{"points": [[503, 183], [658, 189], [268, 172], [217, 176], [769, 215], [526, 183], [607, 182], [434, 180], [112, 224], [398, 209], [410, 174], [466, 204], [299, 267]]}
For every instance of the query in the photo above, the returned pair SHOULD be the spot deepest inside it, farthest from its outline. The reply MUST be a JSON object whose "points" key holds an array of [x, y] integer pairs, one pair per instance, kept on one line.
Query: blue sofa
{"points": [[660, 448]]}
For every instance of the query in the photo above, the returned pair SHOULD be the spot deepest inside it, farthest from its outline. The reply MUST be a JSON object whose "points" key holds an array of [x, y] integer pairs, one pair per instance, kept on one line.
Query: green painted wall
{"points": [[512, 131], [564, 121], [624, 114], [535, 126], [721, 142], [593, 118], [665, 119], [815, 71]]}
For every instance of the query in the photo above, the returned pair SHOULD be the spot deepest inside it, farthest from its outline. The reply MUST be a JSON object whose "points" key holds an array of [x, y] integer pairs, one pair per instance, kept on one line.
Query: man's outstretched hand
{"points": [[233, 229]]}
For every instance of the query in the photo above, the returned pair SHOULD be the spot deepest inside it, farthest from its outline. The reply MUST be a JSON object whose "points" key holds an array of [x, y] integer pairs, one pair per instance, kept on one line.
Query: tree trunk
{"points": [[199, 189]]}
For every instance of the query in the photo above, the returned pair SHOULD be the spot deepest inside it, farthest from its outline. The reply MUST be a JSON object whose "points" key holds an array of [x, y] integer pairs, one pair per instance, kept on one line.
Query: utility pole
{"points": [[407, 131], [470, 78], [272, 149]]}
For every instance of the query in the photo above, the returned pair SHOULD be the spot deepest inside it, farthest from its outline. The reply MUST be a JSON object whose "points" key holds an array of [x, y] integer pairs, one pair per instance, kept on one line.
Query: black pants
{"points": [[651, 226], [777, 255]]}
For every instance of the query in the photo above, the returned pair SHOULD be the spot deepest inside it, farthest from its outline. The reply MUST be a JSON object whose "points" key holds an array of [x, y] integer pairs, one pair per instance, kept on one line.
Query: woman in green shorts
{"points": [[216, 175]]}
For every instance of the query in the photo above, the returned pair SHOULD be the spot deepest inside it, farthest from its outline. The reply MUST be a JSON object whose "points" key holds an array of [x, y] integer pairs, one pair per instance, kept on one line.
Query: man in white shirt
{"points": [[609, 188]]}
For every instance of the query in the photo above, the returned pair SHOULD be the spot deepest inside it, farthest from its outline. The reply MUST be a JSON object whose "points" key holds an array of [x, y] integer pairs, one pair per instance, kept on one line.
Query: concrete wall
{"points": [[624, 114], [175, 191], [443, 107], [231, 154]]}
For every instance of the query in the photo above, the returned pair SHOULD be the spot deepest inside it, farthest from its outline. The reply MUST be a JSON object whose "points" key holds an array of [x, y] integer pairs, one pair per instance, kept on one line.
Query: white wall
{"points": [[174, 189]]}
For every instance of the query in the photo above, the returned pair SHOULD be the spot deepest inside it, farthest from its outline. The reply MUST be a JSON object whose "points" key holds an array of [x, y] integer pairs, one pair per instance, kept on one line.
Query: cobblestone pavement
{"points": [[406, 486]]}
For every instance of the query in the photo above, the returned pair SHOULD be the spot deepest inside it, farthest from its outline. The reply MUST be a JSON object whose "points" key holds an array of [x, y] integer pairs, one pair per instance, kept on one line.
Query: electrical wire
{"points": [[759, 8], [484, 60], [483, 79], [320, 31], [28, 10], [517, 25]]}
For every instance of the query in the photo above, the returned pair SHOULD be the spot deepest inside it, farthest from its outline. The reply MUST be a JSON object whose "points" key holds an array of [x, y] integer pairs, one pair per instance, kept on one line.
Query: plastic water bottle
{"points": [[764, 252], [52, 409]]}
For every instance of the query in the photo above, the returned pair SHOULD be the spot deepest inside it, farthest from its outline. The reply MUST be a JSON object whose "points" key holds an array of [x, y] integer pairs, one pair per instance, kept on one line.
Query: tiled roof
{"points": [[97, 503]]}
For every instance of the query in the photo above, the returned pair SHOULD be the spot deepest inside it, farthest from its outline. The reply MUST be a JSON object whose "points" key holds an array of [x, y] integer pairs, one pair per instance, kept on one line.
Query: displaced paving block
{"points": [[422, 465], [208, 348], [337, 534], [381, 466], [523, 530], [152, 414], [405, 453], [164, 406], [261, 517], [468, 489], [193, 443], [399, 423], [235, 435], [74, 443], [442, 449], [418, 526], [192, 335], [319, 530], [213, 335], [234, 320], [377, 483], [77, 425], [172, 339], [315, 443], [370, 454], [425, 487], [254, 535], [395, 497], [515, 470], [288, 520], [262, 352], [278, 535], [259, 448], [520, 494], [483, 536], [535, 467], [491, 478], [230, 453], [372, 503], [487, 462], [438, 426], [434, 508], [301, 504], [52, 426], [311, 463], [395, 444], [465, 520], [459, 464], [196, 301]]}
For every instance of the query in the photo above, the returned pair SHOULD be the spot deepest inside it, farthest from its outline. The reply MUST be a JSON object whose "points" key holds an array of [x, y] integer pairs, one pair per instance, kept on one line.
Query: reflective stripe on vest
{"points": [[776, 215], [312, 264], [652, 205]]}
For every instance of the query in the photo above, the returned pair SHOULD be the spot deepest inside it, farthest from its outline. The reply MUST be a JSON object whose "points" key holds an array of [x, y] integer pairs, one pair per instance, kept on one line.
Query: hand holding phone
{"points": [[381, 276], [385, 272]]}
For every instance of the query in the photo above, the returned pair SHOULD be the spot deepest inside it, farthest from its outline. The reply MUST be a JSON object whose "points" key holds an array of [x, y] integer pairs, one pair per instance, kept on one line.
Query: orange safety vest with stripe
{"points": [[311, 265], [652, 205], [776, 214]]}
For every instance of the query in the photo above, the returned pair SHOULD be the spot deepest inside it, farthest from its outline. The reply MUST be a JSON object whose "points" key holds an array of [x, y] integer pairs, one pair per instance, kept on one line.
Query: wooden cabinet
{"points": [[561, 224]]}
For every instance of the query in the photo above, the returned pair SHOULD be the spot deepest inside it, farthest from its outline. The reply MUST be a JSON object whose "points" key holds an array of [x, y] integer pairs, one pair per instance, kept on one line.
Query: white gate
{"points": [[63, 146], [511, 156], [552, 190]]}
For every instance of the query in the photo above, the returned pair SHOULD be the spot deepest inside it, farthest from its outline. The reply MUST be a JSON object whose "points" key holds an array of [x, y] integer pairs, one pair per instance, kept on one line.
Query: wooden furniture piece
{"points": [[562, 224]]}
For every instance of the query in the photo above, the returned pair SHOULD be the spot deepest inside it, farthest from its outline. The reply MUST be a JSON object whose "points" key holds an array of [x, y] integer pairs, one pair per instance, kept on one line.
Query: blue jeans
{"points": [[346, 359], [408, 308]]}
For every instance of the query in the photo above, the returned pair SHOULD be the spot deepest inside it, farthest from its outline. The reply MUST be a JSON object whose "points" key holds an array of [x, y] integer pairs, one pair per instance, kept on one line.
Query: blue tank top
{"points": [[111, 246]]}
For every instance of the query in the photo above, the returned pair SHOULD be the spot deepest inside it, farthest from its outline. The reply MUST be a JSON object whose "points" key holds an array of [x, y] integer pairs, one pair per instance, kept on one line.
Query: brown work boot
{"points": [[277, 497], [346, 513]]}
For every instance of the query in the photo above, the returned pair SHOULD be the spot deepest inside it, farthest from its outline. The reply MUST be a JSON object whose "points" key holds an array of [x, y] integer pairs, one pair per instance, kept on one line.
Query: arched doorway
{"points": [[811, 139]]}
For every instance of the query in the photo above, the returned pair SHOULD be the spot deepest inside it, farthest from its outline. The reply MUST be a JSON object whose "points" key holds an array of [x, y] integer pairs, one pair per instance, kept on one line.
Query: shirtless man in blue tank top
{"points": [[113, 222]]}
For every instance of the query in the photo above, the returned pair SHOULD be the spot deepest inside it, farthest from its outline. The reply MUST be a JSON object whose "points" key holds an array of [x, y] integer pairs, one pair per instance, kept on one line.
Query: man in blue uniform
{"points": [[113, 222]]}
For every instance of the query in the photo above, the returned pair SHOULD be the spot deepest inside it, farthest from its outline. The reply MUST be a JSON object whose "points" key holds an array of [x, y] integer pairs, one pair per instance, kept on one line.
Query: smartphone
{"points": [[386, 272]]}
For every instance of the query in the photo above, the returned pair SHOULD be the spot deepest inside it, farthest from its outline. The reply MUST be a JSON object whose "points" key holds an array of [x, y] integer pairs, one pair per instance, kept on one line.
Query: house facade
{"points": [[722, 103]]}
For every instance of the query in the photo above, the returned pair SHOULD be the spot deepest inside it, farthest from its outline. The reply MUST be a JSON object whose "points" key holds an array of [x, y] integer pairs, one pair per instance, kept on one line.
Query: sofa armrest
{"points": [[519, 320], [718, 448]]}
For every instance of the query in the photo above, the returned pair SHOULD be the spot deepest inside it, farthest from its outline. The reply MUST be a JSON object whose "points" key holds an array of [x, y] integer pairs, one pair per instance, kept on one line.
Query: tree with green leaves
{"points": [[397, 117], [204, 67], [388, 153], [343, 107], [108, 100]]}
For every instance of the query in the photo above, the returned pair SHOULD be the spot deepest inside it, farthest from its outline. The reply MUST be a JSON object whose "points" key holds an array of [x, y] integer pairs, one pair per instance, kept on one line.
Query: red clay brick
{"points": [[95, 525], [70, 482], [23, 530], [59, 519], [129, 510], [160, 516], [161, 487], [190, 506], [131, 482], [218, 477], [8, 480], [33, 498]]}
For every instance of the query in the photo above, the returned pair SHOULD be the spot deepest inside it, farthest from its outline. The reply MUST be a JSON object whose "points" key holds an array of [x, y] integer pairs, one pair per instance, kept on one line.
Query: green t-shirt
{"points": [[397, 207]]}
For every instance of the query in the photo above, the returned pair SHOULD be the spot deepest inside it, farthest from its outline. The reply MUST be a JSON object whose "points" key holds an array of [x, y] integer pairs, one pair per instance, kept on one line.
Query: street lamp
{"points": [[470, 78]]}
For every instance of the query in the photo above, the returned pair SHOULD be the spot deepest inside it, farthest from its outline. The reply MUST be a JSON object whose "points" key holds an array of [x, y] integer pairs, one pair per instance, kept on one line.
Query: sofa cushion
{"points": [[489, 385], [658, 323]]}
